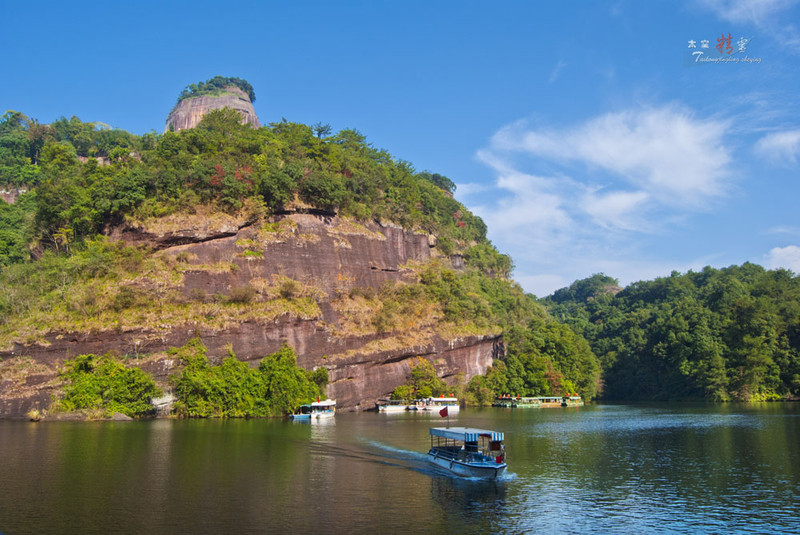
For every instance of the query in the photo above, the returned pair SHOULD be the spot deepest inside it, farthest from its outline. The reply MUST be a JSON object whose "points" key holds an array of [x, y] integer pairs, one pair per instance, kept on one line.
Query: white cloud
{"points": [[616, 209], [573, 201], [665, 152], [780, 147], [784, 257]]}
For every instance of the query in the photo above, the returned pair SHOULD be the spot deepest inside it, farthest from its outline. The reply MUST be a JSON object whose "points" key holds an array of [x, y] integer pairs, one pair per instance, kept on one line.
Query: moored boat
{"points": [[392, 405], [435, 404], [469, 452], [517, 402], [549, 401], [323, 409], [572, 400], [303, 413]]}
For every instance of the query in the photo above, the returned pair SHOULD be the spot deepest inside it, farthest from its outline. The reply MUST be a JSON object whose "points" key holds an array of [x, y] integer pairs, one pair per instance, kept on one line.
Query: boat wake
{"points": [[390, 455], [380, 453], [419, 462]]}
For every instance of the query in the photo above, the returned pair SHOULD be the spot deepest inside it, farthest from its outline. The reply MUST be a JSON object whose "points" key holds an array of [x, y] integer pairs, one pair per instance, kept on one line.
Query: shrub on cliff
{"points": [[215, 85], [104, 383], [422, 382], [234, 390]]}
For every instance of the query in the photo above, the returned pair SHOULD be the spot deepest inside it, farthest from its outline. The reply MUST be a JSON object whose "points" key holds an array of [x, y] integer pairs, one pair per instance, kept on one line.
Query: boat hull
{"points": [[452, 409], [483, 470], [392, 408]]}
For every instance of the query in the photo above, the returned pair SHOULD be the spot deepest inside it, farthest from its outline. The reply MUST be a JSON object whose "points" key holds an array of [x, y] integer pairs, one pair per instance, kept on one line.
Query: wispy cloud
{"points": [[766, 15], [780, 147], [556, 72], [574, 201], [758, 12], [784, 229], [784, 257], [465, 189]]}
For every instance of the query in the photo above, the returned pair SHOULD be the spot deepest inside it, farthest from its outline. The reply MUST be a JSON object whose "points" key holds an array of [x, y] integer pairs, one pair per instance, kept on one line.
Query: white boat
{"points": [[323, 409], [469, 452], [392, 405], [435, 404]]}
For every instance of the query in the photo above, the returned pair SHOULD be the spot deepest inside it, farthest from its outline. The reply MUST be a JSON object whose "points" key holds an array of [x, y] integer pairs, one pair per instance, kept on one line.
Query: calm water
{"points": [[597, 469]]}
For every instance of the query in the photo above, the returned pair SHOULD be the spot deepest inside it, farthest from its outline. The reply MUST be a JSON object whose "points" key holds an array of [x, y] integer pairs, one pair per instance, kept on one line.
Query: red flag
{"points": [[443, 413]]}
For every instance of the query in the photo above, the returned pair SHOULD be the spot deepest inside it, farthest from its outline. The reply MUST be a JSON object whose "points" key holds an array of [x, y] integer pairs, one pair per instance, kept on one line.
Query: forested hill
{"points": [[719, 334], [72, 274]]}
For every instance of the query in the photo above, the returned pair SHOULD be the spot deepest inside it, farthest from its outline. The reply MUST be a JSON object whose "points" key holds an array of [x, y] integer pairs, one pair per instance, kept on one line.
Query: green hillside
{"points": [[720, 334]]}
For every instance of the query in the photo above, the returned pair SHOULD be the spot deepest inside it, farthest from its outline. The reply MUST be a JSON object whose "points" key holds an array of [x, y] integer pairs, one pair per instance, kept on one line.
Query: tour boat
{"points": [[468, 452], [572, 400], [550, 401], [392, 405], [517, 402], [303, 413], [323, 409], [435, 404], [317, 410]]}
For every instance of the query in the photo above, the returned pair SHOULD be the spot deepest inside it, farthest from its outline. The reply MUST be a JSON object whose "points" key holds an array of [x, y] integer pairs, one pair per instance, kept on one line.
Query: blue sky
{"points": [[586, 134]]}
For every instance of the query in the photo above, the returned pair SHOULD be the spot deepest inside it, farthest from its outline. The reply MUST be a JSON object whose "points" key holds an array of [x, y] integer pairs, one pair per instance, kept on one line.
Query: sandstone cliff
{"points": [[189, 111], [317, 258]]}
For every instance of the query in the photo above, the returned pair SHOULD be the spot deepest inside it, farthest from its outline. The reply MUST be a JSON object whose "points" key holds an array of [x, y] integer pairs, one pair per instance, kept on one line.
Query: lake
{"points": [[667, 468]]}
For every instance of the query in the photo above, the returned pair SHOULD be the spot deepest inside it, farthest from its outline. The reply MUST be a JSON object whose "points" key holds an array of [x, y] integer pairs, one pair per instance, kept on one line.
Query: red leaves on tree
{"points": [[216, 178]]}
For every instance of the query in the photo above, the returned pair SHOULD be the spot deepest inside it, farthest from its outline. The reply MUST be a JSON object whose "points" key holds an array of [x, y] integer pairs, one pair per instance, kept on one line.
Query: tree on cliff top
{"points": [[216, 85]]}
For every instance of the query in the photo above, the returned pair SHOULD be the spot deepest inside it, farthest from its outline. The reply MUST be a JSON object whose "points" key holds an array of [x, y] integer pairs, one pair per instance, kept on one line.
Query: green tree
{"points": [[104, 383]]}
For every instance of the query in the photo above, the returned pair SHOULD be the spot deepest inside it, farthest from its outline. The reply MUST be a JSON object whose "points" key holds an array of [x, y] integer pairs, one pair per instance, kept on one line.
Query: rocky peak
{"points": [[188, 112]]}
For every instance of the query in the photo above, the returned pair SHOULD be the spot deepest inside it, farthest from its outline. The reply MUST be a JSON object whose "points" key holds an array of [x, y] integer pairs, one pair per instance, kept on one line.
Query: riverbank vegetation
{"points": [[103, 385], [232, 389], [100, 386]]}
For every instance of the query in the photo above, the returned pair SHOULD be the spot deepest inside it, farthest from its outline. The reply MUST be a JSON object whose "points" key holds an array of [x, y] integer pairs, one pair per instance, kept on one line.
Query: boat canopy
{"points": [[324, 403], [467, 434]]}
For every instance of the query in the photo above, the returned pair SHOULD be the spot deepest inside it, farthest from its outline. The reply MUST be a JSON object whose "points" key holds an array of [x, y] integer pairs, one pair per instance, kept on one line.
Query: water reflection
{"points": [[471, 500], [608, 469]]}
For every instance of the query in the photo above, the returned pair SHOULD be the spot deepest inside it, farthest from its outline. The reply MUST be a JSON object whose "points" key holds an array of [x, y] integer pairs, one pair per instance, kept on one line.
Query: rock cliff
{"points": [[318, 258], [189, 111]]}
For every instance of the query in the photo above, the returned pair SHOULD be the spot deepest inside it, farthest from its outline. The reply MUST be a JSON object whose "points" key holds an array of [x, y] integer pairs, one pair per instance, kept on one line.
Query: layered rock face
{"points": [[323, 257], [188, 112]]}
